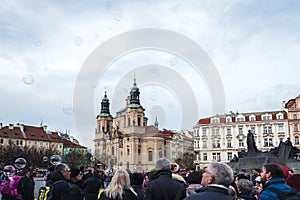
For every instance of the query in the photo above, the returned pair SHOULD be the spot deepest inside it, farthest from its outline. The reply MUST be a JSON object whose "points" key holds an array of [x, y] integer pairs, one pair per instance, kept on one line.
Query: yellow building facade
{"points": [[126, 140]]}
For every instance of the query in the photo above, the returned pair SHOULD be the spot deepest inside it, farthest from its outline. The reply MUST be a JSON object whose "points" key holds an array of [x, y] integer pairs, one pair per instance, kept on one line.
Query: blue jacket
{"points": [[210, 193], [277, 183]]}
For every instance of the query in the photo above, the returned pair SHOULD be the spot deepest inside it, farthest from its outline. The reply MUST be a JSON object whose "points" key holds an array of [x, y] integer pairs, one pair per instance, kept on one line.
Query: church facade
{"points": [[126, 140]]}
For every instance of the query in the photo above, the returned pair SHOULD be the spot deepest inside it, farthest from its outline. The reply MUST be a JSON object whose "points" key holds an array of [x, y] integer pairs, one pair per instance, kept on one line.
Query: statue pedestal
{"points": [[248, 163]]}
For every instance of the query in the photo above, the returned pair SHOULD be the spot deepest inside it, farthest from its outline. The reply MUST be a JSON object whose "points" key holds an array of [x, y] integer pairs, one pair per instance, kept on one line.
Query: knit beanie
{"points": [[294, 181]]}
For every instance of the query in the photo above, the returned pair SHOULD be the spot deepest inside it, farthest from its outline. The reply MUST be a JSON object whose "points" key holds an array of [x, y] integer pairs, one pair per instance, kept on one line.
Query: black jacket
{"points": [[163, 187], [91, 188], [61, 189], [76, 192], [210, 193], [26, 188]]}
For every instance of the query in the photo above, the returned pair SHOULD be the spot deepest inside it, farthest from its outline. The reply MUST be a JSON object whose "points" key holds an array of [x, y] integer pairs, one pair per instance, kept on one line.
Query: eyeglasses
{"points": [[67, 170]]}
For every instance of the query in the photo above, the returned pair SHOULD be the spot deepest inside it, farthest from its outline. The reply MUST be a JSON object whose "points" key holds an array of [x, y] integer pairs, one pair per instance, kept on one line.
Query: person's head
{"points": [[119, 181], [245, 186], [232, 192], [194, 177], [271, 170], [162, 164], [64, 170], [217, 173], [76, 175], [294, 181], [137, 179]]}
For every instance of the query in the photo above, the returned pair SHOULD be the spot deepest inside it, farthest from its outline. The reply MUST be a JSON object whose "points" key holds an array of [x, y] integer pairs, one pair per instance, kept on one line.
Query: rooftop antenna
{"points": [[41, 122]]}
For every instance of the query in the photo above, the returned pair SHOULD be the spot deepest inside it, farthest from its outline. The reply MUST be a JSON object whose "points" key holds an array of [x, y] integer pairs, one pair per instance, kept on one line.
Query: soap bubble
{"points": [[55, 159], [28, 79], [45, 159], [20, 163], [9, 168]]}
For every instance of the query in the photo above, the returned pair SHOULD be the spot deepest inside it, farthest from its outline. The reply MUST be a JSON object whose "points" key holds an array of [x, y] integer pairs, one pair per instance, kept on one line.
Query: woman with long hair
{"points": [[119, 187]]}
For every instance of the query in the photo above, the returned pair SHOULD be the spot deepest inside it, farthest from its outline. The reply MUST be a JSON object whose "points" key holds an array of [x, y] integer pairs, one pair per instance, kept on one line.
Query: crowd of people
{"points": [[217, 181]]}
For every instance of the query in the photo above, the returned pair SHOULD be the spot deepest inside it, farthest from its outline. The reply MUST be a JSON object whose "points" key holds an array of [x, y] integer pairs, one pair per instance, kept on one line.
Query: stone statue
{"points": [[252, 149], [286, 149]]}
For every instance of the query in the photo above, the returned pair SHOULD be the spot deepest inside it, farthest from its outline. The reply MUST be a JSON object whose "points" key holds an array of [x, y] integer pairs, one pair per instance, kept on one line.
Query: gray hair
{"points": [[245, 186], [60, 167], [222, 173]]}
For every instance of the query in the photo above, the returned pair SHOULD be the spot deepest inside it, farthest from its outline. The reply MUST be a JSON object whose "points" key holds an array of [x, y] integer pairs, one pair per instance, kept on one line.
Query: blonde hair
{"points": [[119, 182]]}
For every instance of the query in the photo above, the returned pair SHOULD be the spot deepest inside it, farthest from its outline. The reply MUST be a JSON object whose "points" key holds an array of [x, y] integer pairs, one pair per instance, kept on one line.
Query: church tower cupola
{"points": [[105, 106], [134, 94]]}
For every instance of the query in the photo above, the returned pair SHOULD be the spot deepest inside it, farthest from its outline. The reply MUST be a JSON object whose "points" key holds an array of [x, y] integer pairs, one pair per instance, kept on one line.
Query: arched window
{"points": [[150, 156]]}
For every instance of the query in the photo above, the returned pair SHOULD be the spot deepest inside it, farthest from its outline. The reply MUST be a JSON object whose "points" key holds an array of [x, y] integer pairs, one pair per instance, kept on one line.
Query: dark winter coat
{"points": [[91, 188], [26, 188], [211, 193], [163, 187], [61, 189], [76, 192], [140, 192]]}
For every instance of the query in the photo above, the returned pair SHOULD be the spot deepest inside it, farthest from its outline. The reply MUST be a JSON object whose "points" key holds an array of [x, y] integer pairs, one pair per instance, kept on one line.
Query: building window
{"points": [[279, 116], [214, 121], [295, 116], [160, 153], [266, 117], [252, 118], [41, 144], [29, 143], [35, 143], [270, 129], [128, 121], [229, 144], [280, 129], [252, 129], [295, 127], [47, 144], [215, 131], [265, 129], [240, 119], [240, 130], [241, 143], [139, 151], [229, 156], [113, 150], [1, 141], [204, 144], [228, 119], [150, 156], [216, 157], [204, 156], [216, 143], [268, 142], [228, 130], [204, 132], [296, 139], [128, 152]]}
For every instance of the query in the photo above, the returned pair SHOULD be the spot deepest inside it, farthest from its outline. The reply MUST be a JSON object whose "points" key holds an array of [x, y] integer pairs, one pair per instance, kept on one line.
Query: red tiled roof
{"points": [[204, 121], [13, 132], [69, 144], [35, 133], [290, 103]]}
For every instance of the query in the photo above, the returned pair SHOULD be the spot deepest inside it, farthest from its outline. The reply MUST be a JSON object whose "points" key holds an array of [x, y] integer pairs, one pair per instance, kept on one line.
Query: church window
{"points": [[128, 121], [150, 156]]}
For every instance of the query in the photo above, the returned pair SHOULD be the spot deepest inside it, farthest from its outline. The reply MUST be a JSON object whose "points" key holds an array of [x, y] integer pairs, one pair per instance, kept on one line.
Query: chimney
{"points": [[11, 126], [21, 127], [45, 128], [283, 104], [0, 125]]}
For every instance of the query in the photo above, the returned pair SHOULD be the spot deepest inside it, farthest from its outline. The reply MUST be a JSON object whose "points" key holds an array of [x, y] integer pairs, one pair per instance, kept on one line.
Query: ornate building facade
{"points": [[126, 140], [219, 138], [292, 107]]}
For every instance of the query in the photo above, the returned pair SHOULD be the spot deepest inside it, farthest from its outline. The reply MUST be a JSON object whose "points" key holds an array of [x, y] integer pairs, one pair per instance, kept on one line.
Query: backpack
{"points": [[10, 188], [292, 195], [43, 193], [49, 195]]}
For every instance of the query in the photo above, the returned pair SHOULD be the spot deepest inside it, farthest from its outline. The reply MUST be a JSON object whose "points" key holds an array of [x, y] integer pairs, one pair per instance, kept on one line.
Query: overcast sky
{"points": [[57, 58]]}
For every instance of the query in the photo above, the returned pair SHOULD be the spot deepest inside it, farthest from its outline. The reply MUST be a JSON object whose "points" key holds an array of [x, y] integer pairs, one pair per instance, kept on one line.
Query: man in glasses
{"points": [[58, 182]]}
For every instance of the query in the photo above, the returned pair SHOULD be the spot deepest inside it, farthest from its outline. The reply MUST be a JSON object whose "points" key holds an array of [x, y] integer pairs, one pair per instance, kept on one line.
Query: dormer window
{"points": [[228, 119], [215, 120], [252, 118], [279, 116], [266, 117]]}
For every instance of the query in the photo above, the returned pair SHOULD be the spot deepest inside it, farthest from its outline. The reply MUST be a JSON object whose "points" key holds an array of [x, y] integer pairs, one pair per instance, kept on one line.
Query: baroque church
{"points": [[126, 140]]}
